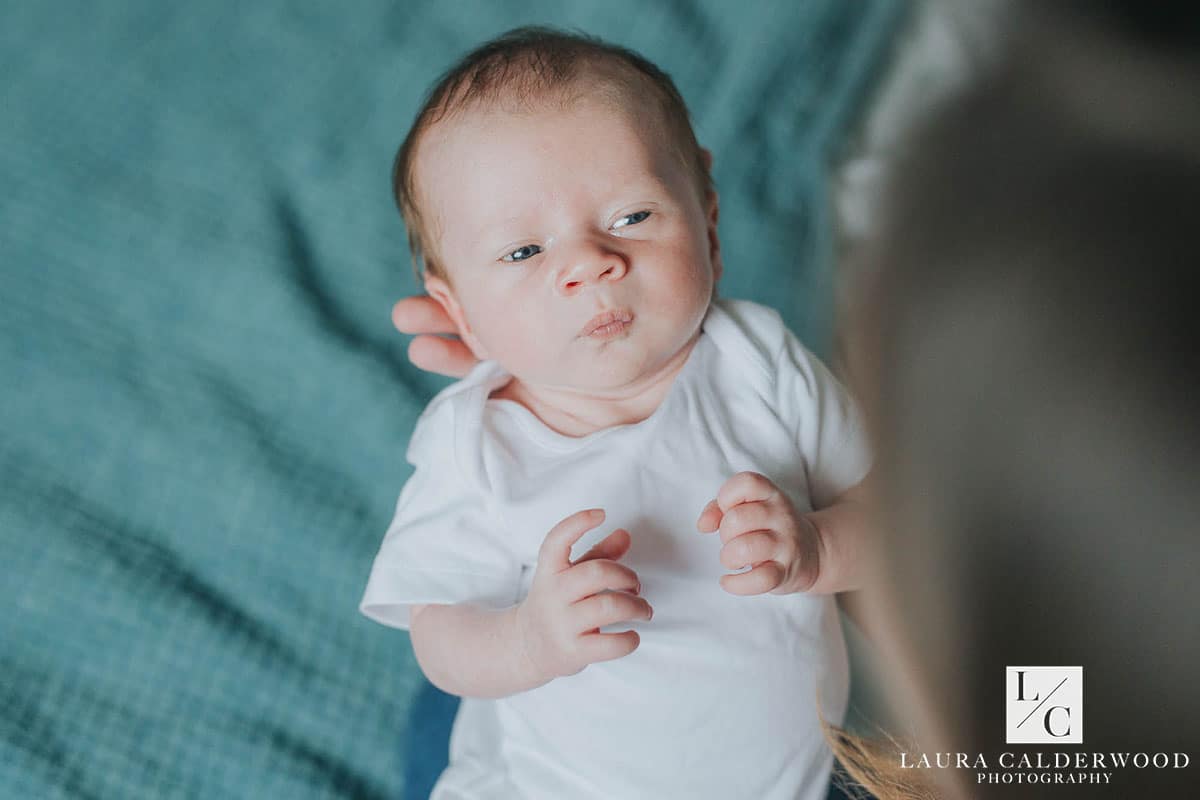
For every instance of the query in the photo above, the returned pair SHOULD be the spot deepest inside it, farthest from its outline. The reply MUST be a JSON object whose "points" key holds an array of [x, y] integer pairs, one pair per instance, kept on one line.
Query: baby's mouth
{"points": [[607, 324]]}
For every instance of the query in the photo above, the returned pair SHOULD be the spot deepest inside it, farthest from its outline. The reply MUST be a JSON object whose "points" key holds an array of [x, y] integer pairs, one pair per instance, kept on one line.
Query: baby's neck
{"points": [[577, 413]]}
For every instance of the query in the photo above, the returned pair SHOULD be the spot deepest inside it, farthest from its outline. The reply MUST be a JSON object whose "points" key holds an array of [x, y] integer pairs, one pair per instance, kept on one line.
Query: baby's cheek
{"points": [[521, 356], [518, 346], [684, 299]]}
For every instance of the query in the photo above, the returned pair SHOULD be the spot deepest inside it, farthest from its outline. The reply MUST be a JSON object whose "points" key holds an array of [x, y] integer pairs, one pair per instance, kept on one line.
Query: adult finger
{"points": [[555, 552], [745, 487], [421, 314], [444, 356]]}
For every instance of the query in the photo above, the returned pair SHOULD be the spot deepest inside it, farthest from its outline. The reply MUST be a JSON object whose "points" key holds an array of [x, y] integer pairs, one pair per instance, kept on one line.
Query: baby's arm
{"points": [[844, 531], [471, 651], [475, 652]]}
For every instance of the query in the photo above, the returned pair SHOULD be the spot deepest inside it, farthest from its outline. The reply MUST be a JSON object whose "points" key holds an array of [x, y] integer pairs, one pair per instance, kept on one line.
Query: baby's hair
{"points": [[531, 65]]}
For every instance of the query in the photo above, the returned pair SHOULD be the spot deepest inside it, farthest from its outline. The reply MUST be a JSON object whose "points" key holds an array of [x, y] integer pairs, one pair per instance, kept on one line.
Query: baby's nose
{"points": [[594, 267]]}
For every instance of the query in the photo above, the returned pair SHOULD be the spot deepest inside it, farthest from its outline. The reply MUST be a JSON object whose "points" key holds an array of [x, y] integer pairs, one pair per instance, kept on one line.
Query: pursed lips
{"points": [[607, 322]]}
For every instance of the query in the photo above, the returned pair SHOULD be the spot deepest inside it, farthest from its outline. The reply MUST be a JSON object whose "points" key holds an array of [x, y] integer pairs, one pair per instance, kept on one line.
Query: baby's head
{"points": [[550, 178]]}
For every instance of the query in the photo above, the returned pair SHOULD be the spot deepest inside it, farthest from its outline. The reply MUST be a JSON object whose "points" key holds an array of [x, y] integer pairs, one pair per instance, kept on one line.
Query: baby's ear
{"points": [[712, 212], [443, 293]]}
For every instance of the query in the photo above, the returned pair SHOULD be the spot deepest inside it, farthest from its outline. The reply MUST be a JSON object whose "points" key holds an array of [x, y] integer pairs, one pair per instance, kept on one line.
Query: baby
{"points": [[554, 191]]}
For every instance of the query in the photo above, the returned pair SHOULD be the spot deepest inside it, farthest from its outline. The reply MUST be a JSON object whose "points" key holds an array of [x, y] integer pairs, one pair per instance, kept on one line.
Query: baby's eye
{"points": [[632, 219], [522, 253]]}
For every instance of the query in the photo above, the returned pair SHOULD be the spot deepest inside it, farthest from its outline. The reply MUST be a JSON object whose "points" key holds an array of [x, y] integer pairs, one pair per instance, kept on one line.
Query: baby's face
{"points": [[544, 220]]}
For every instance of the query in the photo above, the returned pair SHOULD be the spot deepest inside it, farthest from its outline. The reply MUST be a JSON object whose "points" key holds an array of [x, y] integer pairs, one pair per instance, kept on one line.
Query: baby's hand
{"points": [[559, 620], [759, 527]]}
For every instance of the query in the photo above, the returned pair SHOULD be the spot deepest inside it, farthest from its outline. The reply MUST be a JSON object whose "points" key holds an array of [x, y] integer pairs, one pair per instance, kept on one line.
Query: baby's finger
{"points": [[444, 356], [746, 487], [710, 517], [613, 546], [749, 548], [555, 552], [421, 314], [608, 608], [763, 578], [744, 518], [607, 646], [590, 577]]}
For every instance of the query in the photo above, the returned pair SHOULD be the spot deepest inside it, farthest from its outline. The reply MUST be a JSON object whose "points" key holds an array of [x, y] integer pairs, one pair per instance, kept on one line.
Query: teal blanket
{"points": [[205, 408]]}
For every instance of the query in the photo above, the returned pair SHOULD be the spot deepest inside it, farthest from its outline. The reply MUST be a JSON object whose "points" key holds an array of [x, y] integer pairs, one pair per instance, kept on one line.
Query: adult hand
{"points": [[424, 316]]}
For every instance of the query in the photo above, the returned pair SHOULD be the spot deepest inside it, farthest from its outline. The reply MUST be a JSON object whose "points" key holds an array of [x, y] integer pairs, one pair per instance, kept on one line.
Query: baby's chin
{"points": [[612, 373], [608, 379]]}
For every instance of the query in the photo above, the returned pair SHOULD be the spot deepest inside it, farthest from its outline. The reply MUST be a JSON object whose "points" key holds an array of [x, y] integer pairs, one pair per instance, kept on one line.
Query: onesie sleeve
{"points": [[443, 545], [827, 424]]}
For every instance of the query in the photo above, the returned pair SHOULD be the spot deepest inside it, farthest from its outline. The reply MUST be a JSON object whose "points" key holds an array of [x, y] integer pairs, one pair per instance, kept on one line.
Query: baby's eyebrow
{"points": [[492, 228], [651, 189]]}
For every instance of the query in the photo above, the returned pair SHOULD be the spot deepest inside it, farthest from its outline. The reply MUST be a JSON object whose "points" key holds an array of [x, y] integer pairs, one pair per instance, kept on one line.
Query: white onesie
{"points": [[721, 699]]}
